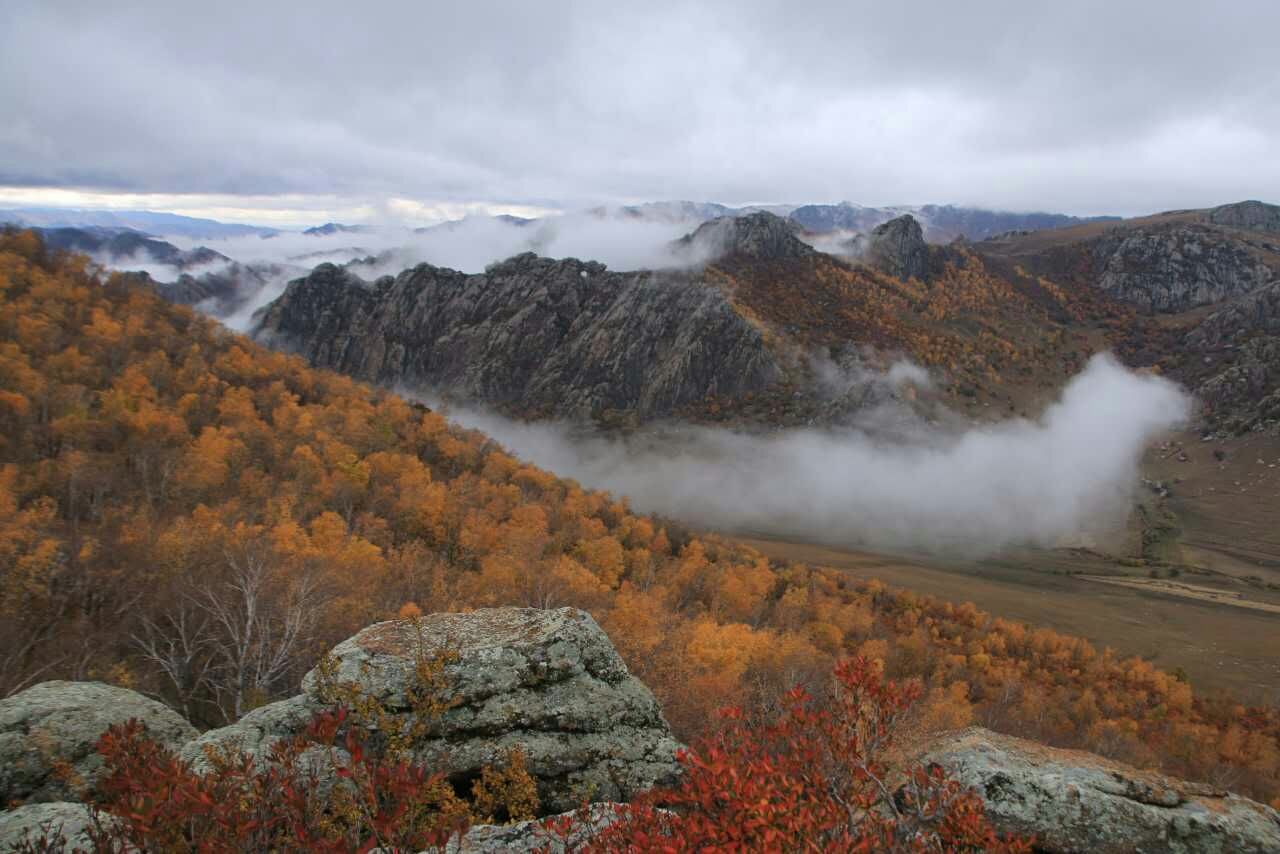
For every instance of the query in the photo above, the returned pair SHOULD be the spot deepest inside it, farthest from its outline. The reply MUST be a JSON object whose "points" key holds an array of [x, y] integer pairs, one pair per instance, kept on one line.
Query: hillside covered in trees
{"points": [[192, 515]]}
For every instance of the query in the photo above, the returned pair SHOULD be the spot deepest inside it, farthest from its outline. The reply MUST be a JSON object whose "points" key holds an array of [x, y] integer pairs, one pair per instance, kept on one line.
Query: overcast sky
{"points": [[356, 110]]}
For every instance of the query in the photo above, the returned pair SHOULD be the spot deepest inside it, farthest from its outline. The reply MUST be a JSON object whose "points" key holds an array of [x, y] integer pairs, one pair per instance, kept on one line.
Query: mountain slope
{"points": [[531, 334], [738, 336]]}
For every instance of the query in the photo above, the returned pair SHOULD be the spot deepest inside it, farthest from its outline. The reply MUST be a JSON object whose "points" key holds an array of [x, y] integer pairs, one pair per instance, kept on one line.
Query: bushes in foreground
{"points": [[816, 778]]}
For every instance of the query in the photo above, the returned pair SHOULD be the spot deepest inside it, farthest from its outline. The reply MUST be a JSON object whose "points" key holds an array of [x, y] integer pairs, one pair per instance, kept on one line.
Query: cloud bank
{"points": [[1087, 107], [1066, 476]]}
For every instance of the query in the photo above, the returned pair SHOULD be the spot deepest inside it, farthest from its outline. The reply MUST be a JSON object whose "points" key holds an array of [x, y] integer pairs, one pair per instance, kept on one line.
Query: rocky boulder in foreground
{"points": [[59, 722], [54, 821], [547, 682], [1073, 801]]}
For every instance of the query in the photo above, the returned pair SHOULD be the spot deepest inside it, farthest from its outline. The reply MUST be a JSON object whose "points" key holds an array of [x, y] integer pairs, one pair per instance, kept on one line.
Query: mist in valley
{"points": [[388, 248], [1065, 477]]}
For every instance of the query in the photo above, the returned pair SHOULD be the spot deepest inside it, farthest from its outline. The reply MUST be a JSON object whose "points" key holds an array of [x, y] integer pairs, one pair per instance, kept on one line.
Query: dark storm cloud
{"points": [[1078, 106]]}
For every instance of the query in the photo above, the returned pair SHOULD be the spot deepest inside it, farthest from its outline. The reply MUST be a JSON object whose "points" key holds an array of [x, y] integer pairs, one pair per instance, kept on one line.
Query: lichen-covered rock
{"points": [[57, 820], [1079, 802], [58, 724], [528, 837], [897, 248], [547, 682], [530, 334]]}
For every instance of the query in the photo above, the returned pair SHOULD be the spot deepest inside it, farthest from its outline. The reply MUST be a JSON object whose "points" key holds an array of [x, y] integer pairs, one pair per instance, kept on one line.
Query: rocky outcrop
{"points": [[1079, 802], [1251, 215], [546, 682], [531, 334], [1245, 394], [1255, 313], [761, 236], [70, 823], [1175, 267], [528, 837], [58, 723], [897, 248]]}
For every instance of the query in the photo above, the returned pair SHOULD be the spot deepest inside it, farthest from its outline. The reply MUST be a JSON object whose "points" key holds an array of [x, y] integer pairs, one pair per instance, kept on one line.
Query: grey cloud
{"points": [[1086, 107]]}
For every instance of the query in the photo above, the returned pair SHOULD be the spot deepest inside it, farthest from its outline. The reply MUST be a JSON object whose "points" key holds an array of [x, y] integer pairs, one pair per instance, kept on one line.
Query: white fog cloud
{"points": [[1066, 475]]}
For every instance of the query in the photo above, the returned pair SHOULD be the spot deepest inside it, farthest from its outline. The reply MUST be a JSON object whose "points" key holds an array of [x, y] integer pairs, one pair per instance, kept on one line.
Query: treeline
{"points": [[194, 516]]}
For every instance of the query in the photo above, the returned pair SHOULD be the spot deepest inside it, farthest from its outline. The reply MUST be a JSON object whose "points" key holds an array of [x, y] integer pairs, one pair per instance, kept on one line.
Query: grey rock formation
{"points": [[1251, 215], [60, 722], [1257, 312], [1170, 268], [58, 820], [1245, 393], [1078, 802], [547, 682], [535, 335], [528, 837], [759, 235], [897, 248]]}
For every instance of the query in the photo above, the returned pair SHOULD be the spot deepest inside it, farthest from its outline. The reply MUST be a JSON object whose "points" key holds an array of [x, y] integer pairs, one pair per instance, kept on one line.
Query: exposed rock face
{"points": [[1254, 313], [59, 819], [1176, 267], [1251, 215], [532, 334], [547, 682], [528, 837], [759, 235], [1245, 395], [897, 248], [1078, 802], [61, 722]]}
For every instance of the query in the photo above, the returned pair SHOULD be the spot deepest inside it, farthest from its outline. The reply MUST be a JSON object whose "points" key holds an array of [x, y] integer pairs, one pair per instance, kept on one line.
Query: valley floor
{"points": [[1220, 645]]}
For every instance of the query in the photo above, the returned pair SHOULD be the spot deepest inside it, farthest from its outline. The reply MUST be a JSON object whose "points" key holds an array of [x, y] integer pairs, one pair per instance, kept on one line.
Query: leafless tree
{"points": [[178, 644], [260, 623]]}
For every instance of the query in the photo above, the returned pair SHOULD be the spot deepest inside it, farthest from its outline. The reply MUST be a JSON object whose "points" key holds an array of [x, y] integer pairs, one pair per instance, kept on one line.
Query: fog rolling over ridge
{"points": [[1069, 474]]}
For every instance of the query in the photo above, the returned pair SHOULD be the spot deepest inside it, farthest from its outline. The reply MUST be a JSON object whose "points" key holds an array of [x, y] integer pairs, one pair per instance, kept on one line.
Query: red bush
{"points": [[812, 781]]}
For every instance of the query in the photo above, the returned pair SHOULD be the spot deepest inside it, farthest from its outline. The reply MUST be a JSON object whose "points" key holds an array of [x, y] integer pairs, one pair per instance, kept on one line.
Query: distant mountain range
{"points": [[149, 222], [941, 223]]}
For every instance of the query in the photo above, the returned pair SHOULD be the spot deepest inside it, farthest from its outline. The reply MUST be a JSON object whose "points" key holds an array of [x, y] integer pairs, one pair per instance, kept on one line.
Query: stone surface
{"points": [[547, 682], [58, 819], [60, 722], [528, 837], [534, 335], [1079, 802], [1175, 267], [760, 235], [1251, 215], [897, 248]]}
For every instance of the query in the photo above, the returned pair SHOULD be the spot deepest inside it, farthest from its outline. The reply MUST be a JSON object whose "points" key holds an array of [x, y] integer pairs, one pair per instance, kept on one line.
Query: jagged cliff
{"points": [[533, 334]]}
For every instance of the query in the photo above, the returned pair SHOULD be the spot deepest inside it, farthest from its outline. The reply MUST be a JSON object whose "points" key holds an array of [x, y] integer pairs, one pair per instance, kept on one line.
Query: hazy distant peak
{"points": [[757, 235]]}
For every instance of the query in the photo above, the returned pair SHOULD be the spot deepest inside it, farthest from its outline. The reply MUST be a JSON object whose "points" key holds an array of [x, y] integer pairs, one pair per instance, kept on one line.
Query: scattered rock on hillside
{"points": [[547, 682], [897, 248], [1079, 802], [52, 821], [60, 722]]}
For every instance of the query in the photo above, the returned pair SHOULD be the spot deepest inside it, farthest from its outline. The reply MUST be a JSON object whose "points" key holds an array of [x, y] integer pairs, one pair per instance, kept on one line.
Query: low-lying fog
{"points": [[1065, 476], [469, 245]]}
